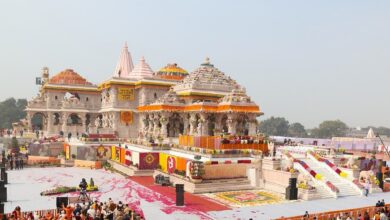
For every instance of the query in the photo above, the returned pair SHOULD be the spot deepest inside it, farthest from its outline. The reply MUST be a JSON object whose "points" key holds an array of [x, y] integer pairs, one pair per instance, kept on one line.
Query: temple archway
{"points": [[211, 125], [38, 121], [56, 117], [242, 125], [175, 126], [74, 120], [224, 126]]}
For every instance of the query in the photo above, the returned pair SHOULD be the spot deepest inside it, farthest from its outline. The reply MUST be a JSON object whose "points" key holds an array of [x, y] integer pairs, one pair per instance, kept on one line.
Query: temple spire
{"points": [[142, 70], [125, 63]]}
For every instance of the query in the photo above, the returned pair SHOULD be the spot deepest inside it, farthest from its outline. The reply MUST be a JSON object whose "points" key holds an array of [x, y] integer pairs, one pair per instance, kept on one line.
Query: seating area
{"points": [[224, 143], [92, 210], [369, 211]]}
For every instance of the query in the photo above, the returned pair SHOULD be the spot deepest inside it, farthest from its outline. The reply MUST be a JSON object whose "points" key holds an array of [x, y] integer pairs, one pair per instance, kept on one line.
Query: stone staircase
{"points": [[345, 189], [208, 186]]}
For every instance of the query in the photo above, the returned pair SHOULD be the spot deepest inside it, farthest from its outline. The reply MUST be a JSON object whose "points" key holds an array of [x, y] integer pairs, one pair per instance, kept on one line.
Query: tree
{"points": [[274, 126], [329, 129], [15, 145], [296, 130], [12, 110]]}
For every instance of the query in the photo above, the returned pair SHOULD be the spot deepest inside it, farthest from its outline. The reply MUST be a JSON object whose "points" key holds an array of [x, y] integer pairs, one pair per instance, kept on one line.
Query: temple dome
{"points": [[141, 70], [69, 77], [207, 78], [172, 72]]}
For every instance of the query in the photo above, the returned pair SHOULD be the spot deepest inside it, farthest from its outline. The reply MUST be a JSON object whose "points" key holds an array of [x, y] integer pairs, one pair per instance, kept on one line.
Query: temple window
{"points": [[87, 99], [56, 97], [155, 95]]}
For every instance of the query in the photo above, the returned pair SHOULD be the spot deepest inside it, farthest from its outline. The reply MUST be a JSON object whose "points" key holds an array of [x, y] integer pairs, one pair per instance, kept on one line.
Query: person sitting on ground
{"points": [[378, 204], [383, 203]]}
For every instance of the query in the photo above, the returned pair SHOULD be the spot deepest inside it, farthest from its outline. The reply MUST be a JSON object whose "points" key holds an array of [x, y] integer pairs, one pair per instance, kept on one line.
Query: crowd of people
{"points": [[16, 162], [381, 213], [96, 210]]}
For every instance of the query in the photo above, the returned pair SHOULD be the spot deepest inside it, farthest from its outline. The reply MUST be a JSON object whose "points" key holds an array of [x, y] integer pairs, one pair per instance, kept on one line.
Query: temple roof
{"points": [[142, 70], [172, 71], [207, 78], [69, 77], [125, 63], [169, 98]]}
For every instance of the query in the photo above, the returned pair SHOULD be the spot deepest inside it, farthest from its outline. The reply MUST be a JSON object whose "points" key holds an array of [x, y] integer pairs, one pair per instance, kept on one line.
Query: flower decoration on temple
{"points": [[329, 164], [172, 72]]}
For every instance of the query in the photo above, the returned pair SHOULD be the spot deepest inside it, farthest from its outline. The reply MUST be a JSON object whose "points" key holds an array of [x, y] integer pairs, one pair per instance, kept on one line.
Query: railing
{"points": [[42, 213], [218, 143], [371, 210]]}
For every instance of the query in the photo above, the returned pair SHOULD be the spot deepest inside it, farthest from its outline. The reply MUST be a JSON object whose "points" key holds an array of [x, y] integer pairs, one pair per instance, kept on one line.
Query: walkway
{"points": [[299, 208], [195, 202]]}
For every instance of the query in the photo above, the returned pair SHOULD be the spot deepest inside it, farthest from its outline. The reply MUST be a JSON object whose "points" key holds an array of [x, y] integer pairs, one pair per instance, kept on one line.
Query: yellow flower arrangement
{"points": [[318, 176]]}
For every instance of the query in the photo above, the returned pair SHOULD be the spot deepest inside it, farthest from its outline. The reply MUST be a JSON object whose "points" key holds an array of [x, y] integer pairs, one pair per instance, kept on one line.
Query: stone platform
{"points": [[208, 186], [130, 170]]}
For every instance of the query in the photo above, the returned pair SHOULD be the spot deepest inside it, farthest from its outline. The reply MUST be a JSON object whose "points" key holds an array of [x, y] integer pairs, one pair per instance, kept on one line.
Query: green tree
{"points": [[329, 129], [12, 110], [296, 130], [15, 145], [276, 126]]}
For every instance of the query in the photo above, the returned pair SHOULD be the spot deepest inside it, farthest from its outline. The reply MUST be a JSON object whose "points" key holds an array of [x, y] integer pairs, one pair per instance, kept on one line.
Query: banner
{"points": [[67, 152], [127, 117], [128, 158], [148, 161], [125, 94], [103, 152], [171, 164]]}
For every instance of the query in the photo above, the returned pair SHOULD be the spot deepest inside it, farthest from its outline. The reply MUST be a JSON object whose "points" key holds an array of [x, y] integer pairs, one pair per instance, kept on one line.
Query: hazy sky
{"points": [[307, 61]]}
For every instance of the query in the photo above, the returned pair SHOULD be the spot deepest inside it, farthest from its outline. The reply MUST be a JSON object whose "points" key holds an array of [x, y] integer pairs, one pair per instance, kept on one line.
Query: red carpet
{"points": [[192, 201]]}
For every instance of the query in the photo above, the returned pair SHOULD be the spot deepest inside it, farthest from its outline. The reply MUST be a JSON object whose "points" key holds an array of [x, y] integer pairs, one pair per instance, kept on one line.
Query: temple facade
{"points": [[137, 102]]}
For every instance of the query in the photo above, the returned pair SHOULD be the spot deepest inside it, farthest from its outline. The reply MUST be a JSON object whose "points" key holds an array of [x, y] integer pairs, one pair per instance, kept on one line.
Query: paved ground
{"points": [[156, 202], [26, 185]]}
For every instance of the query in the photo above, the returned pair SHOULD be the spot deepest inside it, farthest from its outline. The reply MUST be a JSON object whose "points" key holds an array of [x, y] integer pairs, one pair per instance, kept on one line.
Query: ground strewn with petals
{"points": [[155, 202]]}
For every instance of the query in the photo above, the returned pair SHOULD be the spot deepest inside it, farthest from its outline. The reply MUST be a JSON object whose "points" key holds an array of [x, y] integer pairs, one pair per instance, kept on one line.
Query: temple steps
{"points": [[209, 186]]}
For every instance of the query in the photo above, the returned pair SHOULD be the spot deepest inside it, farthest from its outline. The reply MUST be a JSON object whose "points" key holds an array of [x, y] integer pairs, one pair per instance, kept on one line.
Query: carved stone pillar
{"points": [[151, 124], [231, 123], [193, 124], [83, 118], [28, 118], [252, 125], [156, 123], [205, 124], [65, 116], [115, 120], [218, 123], [185, 124], [164, 122], [49, 128]]}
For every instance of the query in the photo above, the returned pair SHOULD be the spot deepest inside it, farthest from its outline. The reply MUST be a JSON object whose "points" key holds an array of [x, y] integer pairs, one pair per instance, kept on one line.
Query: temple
{"points": [[137, 102]]}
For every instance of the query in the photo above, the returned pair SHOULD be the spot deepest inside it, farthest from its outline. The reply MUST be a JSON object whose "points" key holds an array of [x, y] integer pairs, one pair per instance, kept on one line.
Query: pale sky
{"points": [[307, 61]]}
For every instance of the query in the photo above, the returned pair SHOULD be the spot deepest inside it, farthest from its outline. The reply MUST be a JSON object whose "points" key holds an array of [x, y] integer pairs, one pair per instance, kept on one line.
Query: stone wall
{"points": [[225, 171], [275, 180]]}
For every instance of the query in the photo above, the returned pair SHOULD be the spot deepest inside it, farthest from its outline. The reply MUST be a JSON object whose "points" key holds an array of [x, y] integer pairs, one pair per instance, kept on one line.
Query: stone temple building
{"points": [[137, 102]]}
